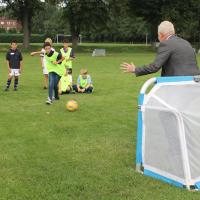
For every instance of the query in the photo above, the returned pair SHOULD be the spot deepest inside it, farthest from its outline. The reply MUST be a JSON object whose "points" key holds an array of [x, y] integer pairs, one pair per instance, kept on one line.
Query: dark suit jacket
{"points": [[175, 56]]}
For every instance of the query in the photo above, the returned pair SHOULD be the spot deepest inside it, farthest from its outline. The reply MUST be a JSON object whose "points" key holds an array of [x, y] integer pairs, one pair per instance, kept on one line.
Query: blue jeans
{"points": [[53, 85], [88, 90]]}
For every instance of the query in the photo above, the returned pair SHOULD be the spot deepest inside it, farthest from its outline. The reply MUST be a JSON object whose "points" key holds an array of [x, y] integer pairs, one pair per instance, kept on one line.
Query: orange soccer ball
{"points": [[72, 105]]}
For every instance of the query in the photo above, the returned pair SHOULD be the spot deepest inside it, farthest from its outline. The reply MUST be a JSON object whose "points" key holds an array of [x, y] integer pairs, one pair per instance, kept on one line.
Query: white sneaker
{"points": [[49, 101]]}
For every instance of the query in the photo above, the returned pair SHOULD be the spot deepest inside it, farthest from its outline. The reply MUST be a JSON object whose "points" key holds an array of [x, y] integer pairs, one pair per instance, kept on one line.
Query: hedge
{"points": [[7, 38]]}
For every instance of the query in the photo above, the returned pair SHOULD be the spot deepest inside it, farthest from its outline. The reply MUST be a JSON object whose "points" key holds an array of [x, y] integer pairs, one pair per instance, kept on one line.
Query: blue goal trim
{"points": [[141, 99], [174, 79], [139, 139], [197, 185], [139, 131], [163, 178]]}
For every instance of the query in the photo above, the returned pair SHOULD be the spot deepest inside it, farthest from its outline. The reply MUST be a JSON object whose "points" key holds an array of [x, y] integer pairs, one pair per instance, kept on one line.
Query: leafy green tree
{"points": [[49, 21], [123, 23], [185, 15], [84, 15], [24, 10]]}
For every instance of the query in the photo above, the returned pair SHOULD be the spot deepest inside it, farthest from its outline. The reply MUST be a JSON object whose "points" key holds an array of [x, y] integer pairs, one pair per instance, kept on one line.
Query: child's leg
{"points": [[89, 89], [45, 81], [51, 85], [9, 82], [10, 75], [56, 81], [16, 82], [75, 88]]}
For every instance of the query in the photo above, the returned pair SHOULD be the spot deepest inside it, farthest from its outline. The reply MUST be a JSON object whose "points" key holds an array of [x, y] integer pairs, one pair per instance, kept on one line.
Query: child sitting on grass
{"points": [[84, 82], [65, 83]]}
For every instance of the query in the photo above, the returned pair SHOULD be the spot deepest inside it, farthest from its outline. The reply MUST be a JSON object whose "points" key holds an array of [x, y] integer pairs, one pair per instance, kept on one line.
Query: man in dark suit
{"points": [[175, 56]]}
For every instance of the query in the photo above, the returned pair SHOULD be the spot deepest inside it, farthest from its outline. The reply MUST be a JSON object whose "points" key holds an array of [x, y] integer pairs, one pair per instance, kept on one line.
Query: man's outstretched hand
{"points": [[128, 68]]}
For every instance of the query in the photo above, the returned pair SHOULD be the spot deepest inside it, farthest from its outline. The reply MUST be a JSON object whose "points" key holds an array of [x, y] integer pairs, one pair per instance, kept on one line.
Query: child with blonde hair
{"points": [[84, 82], [43, 63]]}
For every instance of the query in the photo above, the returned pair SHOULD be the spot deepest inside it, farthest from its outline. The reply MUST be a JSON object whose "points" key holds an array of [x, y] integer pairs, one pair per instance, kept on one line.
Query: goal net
{"points": [[168, 142], [60, 37]]}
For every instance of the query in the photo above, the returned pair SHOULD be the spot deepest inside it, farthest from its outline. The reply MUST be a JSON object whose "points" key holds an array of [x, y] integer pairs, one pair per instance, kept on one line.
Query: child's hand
{"points": [[80, 90], [55, 62]]}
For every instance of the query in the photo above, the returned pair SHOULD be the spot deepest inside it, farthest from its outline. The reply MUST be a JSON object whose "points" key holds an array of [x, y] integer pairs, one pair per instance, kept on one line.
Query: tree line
{"points": [[105, 20]]}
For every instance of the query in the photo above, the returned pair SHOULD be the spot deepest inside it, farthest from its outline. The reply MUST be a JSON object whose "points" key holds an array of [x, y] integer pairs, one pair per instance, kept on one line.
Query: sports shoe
{"points": [[15, 89], [49, 101], [55, 98], [6, 89]]}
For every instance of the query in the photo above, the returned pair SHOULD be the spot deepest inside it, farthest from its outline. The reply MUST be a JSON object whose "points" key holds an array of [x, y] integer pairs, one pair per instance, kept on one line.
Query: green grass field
{"points": [[48, 153]]}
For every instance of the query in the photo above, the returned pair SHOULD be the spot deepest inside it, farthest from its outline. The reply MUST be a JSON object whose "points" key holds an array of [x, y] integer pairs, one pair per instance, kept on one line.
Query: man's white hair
{"points": [[166, 28]]}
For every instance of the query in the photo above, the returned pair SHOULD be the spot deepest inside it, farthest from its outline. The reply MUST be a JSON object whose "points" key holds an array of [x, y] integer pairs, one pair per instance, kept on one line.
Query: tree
{"points": [[84, 15], [123, 23], [51, 22], [24, 10], [150, 11], [185, 15]]}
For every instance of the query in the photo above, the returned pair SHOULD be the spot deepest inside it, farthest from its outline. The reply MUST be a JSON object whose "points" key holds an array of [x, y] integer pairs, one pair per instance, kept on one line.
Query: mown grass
{"points": [[48, 153]]}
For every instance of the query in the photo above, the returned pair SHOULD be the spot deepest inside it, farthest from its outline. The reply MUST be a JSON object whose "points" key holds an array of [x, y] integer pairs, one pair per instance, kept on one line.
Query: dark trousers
{"points": [[53, 85], [88, 90]]}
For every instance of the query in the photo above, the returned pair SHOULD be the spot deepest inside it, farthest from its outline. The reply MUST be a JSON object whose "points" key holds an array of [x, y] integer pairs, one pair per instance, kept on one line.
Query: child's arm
{"points": [[21, 67], [21, 58], [89, 82], [79, 89], [35, 53], [60, 58], [78, 85], [7, 60], [9, 70], [72, 56]]}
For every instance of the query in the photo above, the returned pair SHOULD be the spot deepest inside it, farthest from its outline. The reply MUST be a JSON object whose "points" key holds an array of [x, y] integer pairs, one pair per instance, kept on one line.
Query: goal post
{"points": [[60, 37]]}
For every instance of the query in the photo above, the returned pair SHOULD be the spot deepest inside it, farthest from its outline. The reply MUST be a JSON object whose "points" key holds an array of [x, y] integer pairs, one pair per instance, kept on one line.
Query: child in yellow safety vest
{"points": [[68, 53], [65, 84], [84, 82]]}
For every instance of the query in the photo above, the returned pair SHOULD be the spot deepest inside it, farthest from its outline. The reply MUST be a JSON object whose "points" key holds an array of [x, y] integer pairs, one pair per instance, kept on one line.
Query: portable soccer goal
{"points": [[99, 52], [168, 136], [60, 37]]}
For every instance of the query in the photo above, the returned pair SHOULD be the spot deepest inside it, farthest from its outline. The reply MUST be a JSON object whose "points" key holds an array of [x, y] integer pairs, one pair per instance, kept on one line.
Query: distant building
{"points": [[8, 24]]}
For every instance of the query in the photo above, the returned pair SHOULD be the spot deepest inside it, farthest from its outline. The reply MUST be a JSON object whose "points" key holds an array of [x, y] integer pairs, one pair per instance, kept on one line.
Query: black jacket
{"points": [[14, 57]]}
